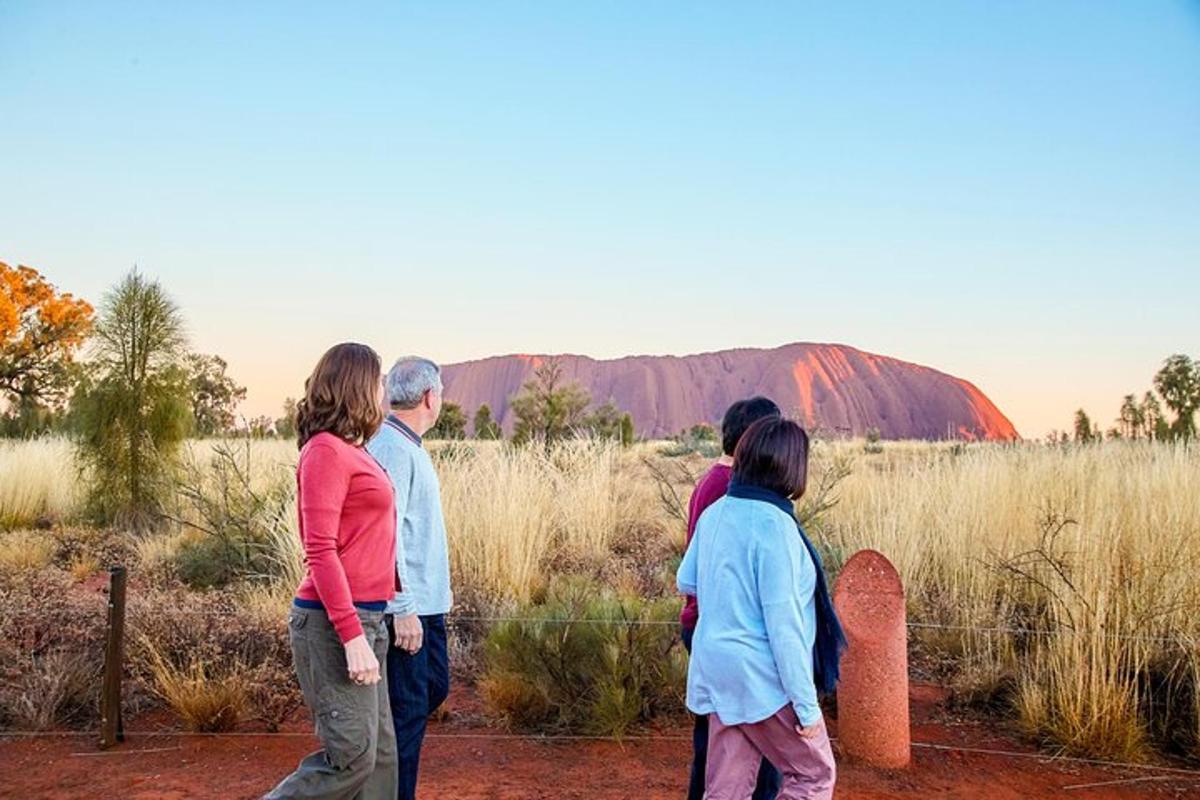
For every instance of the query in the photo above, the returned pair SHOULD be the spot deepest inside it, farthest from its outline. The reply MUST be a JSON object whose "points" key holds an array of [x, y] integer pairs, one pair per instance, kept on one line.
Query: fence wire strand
{"points": [[1049, 758], [452, 619]]}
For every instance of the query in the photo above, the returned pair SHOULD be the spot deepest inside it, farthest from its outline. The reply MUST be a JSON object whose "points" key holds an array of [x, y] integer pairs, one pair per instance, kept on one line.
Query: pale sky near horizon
{"points": [[1008, 192]]}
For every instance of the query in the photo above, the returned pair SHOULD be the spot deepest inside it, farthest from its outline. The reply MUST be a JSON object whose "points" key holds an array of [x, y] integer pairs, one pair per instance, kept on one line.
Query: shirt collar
{"points": [[748, 492], [398, 425]]}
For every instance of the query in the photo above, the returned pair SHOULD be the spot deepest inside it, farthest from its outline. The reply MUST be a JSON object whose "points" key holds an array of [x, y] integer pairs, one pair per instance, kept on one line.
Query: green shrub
{"points": [[574, 664], [239, 522]]}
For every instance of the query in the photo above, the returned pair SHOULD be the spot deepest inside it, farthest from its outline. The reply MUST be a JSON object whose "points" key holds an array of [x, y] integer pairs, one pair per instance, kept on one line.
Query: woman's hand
{"points": [[361, 662], [811, 731], [409, 634]]}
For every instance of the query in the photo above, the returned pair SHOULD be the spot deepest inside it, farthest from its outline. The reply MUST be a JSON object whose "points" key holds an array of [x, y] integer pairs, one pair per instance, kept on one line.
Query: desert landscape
{"points": [[1050, 595], [375, 370]]}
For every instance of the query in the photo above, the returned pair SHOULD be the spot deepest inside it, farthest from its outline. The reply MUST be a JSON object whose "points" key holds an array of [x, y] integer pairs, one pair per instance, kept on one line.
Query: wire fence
{"points": [[1180, 773], [1158, 771], [1180, 639]]}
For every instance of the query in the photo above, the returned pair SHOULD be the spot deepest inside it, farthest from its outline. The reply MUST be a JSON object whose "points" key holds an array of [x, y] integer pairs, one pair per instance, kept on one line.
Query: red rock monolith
{"points": [[872, 694]]}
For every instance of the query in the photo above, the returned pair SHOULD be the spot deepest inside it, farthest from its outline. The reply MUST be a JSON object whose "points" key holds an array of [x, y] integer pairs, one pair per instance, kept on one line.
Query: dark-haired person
{"points": [[710, 488], [768, 638], [348, 529], [418, 661]]}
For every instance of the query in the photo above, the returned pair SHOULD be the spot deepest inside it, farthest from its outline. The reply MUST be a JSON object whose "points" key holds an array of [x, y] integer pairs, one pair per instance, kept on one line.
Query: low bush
{"points": [[51, 651], [205, 702], [580, 662], [236, 520], [202, 654]]}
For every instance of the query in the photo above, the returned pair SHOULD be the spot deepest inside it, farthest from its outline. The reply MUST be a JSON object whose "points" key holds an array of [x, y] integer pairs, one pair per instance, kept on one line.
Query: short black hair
{"points": [[773, 454], [740, 416]]}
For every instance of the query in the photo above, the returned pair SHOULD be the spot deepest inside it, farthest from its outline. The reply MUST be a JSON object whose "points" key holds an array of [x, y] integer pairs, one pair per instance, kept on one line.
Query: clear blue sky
{"points": [[1008, 191]]}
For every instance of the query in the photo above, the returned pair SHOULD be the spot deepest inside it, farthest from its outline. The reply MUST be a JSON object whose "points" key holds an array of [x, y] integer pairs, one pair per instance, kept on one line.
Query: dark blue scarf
{"points": [[830, 641]]}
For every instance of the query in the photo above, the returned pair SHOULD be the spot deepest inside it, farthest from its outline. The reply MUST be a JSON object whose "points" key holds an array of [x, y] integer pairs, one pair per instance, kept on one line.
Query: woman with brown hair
{"points": [[348, 529]]}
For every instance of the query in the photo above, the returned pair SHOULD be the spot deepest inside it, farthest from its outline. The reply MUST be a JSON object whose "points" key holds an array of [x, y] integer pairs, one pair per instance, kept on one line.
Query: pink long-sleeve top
{"points": [[348, 529]]}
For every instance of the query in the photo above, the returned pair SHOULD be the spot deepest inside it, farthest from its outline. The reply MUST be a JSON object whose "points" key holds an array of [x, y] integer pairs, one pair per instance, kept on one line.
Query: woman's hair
{"points": [[773, 454], [740, 416], [342, 395]]}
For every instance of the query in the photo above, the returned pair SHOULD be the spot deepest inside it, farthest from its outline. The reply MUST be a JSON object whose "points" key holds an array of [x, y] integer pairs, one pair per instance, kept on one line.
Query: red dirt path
{"points": [[466, 760]]}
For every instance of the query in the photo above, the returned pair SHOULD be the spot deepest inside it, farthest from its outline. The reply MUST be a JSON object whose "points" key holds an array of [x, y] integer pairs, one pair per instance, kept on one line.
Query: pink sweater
{"points": [[348, 529]]}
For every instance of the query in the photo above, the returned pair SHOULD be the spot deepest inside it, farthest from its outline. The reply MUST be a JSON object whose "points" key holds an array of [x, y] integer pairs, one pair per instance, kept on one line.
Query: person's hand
{"points": [[409, 634], [361, 662], [810, 731]]}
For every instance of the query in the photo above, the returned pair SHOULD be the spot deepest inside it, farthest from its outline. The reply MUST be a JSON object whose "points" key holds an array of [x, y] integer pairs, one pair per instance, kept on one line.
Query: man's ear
{"points": [[428, 399]]}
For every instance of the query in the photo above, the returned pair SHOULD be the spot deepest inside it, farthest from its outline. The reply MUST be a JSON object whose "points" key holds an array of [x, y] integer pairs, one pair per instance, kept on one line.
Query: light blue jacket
{"points": [[752, 652], [422, 559]]}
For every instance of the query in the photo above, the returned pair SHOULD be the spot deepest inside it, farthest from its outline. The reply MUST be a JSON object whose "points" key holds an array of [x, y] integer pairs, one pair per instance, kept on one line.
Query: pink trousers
{"points": [[735, 752]]}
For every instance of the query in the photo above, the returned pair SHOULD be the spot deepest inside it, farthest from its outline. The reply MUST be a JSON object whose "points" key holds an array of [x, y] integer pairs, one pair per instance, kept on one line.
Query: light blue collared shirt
{"points": [[752, 652], [422, 557]]}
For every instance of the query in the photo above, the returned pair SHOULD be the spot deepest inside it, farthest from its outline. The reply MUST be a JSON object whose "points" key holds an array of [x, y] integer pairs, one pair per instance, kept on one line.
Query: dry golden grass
{"points": [[1095, 548], [25, 551], [204, 702], [38, 478], [1099, 546]]}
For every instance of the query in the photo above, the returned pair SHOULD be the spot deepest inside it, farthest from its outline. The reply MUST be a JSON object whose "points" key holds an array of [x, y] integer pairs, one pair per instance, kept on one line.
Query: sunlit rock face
{"points": [[838, 389]]}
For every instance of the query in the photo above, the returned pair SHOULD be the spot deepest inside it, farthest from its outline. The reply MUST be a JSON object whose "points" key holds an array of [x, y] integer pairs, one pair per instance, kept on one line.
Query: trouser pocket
{"points": [[342, 723]]}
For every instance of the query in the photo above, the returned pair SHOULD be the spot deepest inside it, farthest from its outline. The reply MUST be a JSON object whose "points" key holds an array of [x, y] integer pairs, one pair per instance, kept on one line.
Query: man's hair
{"points": [[409, 379], [342, 395], [773, 454], [740, 416]]}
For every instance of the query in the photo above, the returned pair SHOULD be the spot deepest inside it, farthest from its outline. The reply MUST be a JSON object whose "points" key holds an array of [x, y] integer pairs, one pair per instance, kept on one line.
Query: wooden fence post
{"points": [[112, 726]]}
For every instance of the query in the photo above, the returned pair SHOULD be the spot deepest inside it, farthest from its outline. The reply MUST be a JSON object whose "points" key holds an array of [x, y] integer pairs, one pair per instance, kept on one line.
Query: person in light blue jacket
{"points": [[418, 661], [768, 638]]}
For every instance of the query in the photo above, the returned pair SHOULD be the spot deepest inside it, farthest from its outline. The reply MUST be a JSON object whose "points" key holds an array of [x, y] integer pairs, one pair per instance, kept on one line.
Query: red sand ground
{"points": [[465, 759]]}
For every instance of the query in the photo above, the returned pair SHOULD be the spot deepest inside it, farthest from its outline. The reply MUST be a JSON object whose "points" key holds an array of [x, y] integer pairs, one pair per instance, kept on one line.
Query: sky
{"points": [[1008, 192]]}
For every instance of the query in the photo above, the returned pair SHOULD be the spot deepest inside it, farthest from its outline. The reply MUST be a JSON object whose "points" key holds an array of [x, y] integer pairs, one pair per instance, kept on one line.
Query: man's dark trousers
{"points": [[768, 777], [417, 686]]}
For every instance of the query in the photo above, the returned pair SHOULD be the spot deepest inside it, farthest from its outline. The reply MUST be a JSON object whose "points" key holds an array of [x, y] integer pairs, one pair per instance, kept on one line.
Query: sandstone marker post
{"points": [[872, 695]]}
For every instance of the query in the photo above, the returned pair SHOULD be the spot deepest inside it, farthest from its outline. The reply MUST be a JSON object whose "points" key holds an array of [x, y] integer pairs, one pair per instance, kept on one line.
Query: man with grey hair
{"points": [[418, 668]]}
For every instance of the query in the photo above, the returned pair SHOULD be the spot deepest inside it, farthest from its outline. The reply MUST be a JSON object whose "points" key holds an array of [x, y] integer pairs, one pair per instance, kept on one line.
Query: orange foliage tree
{"points": [[41, 329]]}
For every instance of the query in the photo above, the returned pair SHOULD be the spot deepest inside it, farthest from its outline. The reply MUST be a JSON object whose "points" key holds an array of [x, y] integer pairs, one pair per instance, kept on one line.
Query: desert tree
{"points": [[133, 412], [1084, 430], [451, 423], [41, 331], [1154, 425], [285, 426], [215, 395], [484, 426], [603, 422], [548, 409], [628, 435], [1131, 418], [1178, 382]]}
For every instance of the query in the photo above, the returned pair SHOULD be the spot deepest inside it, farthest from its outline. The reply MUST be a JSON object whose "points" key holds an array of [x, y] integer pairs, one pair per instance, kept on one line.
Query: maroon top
{"points": [[709, 490]]}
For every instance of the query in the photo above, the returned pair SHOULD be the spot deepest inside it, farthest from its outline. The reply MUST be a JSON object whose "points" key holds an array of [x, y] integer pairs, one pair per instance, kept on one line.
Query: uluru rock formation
{"points": [[832, 387]]}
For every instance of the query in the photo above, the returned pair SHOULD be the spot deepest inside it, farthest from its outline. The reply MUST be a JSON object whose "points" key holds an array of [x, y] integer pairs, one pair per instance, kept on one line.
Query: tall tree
{"points": [[484, 426], [451, 423], [215, 395], [548, 409], [1084, 432], [1132, 418], [134, 411], [1154, 426], [41, 330], [285, 426], [627, 433], [1179, 384]]}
